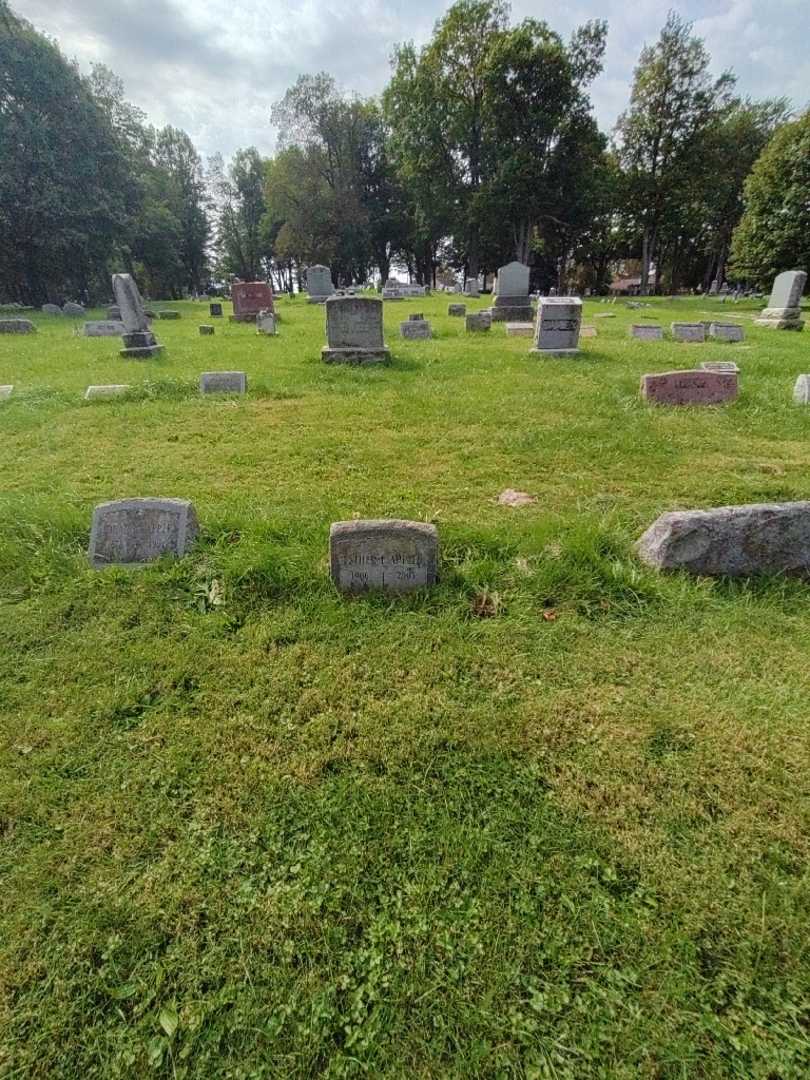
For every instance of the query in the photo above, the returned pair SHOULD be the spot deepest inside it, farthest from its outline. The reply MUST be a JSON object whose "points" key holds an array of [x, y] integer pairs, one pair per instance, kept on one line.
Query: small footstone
{"points": [[104, 328], [6, 392], [51, 309], [510, 497], [206, 331], [605, 315], [689, 387], [114, 390], [75, 311], [223, 382], [167, 314], [17, 326], [646, 333], [415, 329], [718, 365], [266, 323], [587, 331], [726, 332], [731, 541], [457, 311], [801, 391], [685, 331], [520, 329], [478, 322], [140, 530], [215, 311], [394, 556]]}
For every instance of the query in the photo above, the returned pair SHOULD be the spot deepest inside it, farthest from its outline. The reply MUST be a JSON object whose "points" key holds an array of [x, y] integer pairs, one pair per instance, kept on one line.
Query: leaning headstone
{"points": [[354, 331], [731, 541], [250, 298], [689, 387], [223, 382], [113, 390], [478, 322], [266, 323], [104, 328], [718, 365], [726, 332], [801, 391], [215, 311], [687, 331], [168, 313], [6, 392], [784, 307], [395, 556], [520, 329], [51, 309], [140, 530], [75, 311], [139, 341], [17, 326], [457, 310], [512, 303], [416, 327], [319, 284], [206, 330], [646, 333], [556, 332]]}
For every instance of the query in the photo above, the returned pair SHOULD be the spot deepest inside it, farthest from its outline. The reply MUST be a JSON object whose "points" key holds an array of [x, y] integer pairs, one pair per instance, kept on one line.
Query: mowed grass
{"points": [[249, 828]]}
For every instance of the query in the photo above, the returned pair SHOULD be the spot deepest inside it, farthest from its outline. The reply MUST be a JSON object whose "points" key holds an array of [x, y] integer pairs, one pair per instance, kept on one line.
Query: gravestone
{"points": [[801, 391], [223, 382], [354, 331], [471, 288], [646, 333], [784, 307], [17, 326], [688, 331], [75, 311], [266, 323], [168, 313], [6, 392], [416, 327], [520, 329], [587, 331], [104, 328], [51, 309], [113, 390], [395, 556], [718, 365], [512, 303], [689, 387], [249, 299], [215, 311], [114, 313], [457, 311], [478, 322], [731, 541], [140, 530], [319, 284], [206, 330], [726, 332], [556, 332], [139, 341]]}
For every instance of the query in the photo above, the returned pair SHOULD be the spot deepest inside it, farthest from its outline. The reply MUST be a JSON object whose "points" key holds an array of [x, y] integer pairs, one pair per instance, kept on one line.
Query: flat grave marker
{"points": [[689, 387], [391, 555], [141, 530]]}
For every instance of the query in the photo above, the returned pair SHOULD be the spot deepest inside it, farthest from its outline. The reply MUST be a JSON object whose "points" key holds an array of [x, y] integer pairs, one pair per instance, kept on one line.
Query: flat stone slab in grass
{"points": [[17, 326], [167, 314], [206, 331], [478, 322], [113, 390], [689, 387], [605, 315], [223, 382], [457, 311], [51, 309], [801, 391], [688, 331], [646, 333], [104, 328], [520, 329], [75, 311], [6, 392], [726, 332], [718, 365], [140, 530], [588, 331], [731, 541], [395, 556], [415, 329]]}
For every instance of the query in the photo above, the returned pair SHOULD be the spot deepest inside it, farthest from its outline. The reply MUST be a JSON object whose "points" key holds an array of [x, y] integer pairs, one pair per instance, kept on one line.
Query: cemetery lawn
{"points": [[548, 820]]}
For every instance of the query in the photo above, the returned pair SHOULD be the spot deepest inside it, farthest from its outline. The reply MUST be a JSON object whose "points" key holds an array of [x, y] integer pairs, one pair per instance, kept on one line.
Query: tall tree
{"points": [[238, 194], [176, 157]]}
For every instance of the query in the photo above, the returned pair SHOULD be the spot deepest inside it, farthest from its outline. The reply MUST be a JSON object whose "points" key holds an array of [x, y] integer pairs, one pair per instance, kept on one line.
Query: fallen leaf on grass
{"points": [[550, 614], [486, 604]]}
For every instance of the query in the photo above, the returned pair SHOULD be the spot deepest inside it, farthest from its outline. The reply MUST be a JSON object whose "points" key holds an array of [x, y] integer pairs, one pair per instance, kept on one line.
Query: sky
{"points": [[215, 69]]}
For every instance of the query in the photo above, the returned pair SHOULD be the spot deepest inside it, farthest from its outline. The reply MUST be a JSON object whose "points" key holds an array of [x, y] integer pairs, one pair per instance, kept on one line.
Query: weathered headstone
{"points": [[75, 311], [512, 303], [206, 330], [646, 333], [726, 332], [139, 341], [471, 288], [250, 298], [140, 530], [478, 322], [51, 309], [266, 323], [17, 326], [731, 541], [215, 310], [784, 307], [354, 331], [801, 391], [223, 382], [587, 331], [688, 331], [319, 284], [395, 556], [689, 387], [718, 365], [113, 313], [168, 313], [520, 329], [416, 327], [6, 392], [104, 328], [457, 310], [113, 390], [556, 332]]}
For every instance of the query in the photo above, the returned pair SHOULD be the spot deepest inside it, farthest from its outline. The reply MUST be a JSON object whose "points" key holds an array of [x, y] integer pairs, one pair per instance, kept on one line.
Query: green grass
{"points": [[249, 828]]}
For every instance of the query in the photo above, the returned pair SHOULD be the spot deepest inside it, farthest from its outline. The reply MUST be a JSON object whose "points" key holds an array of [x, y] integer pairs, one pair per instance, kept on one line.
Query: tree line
{"points": [[482, 148]]}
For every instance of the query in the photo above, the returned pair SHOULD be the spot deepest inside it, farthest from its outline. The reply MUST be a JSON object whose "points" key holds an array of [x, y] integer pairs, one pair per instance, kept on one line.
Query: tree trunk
{"points": [[646, 258]]}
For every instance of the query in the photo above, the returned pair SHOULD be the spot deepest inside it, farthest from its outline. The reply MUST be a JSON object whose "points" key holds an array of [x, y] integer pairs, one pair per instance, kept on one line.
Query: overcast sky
{"points": [[215, 68]]}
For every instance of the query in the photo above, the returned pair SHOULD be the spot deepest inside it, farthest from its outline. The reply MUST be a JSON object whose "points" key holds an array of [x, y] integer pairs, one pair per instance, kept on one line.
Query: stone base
{"points": [[523, 313], [317, 299], [248, 317], [355, 356], [520, 329], [780, 324], [556, 352], [142, 352]]}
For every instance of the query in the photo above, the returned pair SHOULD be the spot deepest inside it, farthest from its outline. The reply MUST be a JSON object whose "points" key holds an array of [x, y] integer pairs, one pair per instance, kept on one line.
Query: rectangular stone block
{"points": [[6, 392], [249, 298], [166, 313], [266, 323], [801, 391], [415, 329], [787, 289], [478, 322], [319, 284], [223, 382], [141, 530], [689, 387], [686, 331], [354, 331], [520, 329], [140, 345], [215, 311], [457, 311], [646, 333], [556, 331], [104, 328], [113, 390], [394, 556], [588, 331], [206, 331], [718, 365], [726, 332], [17, 326]]}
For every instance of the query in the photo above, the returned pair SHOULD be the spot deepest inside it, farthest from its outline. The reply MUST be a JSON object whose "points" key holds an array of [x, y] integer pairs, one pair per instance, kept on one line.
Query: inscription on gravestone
{"points": [[689, 387], [646, 333], [395, 556], [223, 382], [140, 530], [684, 331], [115, 390], [726, 332], [354, 331], [556, 332]]}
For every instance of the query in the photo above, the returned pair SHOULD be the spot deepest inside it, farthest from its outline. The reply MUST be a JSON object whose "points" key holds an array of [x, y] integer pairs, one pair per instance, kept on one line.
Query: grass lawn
{"points": [[249, 828]]}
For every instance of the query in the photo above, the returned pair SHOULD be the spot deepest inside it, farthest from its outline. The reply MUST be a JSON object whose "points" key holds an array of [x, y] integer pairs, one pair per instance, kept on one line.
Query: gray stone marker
{"points": [[75, 311], [457, 311], [139, 341], [718, 365], [801, 391], [223, 382], [266, 323], [206, 331], [215, 311], [51, 309], [17, 326], [319, 284], [646, 333], [395, 556], [588, 331], [354, 331], [113, 390], [471, 289], [168, 313], [478, 322], [688, 331], [104, 328], [140, 530], [726, 332], [784, 307], [416, 327], [556, 331], [114, 313], [512, 303], [731, 541], [520, 329], [6, 392]]}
